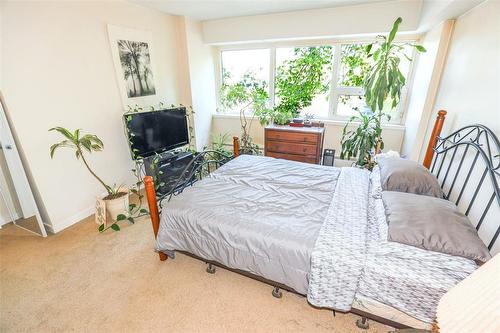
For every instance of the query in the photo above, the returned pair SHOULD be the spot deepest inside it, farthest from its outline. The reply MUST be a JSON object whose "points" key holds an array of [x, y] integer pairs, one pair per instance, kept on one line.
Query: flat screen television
{"points": [[157, 131]]}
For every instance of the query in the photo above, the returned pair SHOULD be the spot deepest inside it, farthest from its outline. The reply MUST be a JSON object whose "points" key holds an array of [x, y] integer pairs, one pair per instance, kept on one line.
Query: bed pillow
{"points": [[432, 224], [398, 174]]}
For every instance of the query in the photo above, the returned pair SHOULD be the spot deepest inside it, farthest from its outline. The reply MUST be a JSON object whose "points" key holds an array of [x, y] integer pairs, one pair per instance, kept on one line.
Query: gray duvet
{"points": [[319, 230], [258, 214]]}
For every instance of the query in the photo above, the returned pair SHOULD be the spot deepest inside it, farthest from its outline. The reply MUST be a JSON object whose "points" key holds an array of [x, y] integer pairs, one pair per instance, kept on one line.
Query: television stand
{"points": [[168, 170]]}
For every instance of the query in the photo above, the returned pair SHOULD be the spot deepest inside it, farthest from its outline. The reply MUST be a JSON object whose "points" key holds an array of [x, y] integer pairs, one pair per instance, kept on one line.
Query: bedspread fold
{"points": [[338, 256]]}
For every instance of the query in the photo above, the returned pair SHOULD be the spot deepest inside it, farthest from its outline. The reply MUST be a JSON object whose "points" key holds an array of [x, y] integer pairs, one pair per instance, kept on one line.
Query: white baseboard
{"points": [[68, 222], [6, 219]]}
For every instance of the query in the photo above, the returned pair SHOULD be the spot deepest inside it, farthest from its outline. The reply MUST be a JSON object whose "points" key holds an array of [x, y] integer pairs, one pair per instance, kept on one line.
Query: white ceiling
{"points": [[210, 9]]}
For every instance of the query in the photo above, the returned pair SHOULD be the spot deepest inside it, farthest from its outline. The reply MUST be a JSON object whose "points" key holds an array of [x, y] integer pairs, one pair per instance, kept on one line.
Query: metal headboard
{"points": [[476, 144], [200, 166]]}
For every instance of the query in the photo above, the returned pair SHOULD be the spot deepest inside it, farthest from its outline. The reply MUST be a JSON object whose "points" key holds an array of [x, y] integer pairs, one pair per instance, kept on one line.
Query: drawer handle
{"points": [[304, 150]]}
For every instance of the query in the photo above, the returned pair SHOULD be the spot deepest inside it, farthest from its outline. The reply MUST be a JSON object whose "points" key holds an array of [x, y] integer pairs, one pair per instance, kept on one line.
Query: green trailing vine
{"points": [[138, 160]]}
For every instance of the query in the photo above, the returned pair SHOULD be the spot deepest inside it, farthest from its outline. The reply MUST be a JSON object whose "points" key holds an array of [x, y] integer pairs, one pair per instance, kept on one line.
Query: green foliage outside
{"points": [[355, 64], [300, 79]]}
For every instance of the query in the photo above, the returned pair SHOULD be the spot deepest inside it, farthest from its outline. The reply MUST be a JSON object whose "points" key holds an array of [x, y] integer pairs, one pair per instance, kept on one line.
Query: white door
{"points": [[22, 188]]}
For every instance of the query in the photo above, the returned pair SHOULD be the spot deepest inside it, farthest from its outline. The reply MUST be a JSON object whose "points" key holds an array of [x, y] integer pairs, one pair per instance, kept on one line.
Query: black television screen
{"points": [[157, 131]]}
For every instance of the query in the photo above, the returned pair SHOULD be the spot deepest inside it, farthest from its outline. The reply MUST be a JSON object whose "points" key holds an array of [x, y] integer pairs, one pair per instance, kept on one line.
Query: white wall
{"points": [[221, 124], [470, 85], [202, 80], [361, 19], [428, 70], [58, 71]]}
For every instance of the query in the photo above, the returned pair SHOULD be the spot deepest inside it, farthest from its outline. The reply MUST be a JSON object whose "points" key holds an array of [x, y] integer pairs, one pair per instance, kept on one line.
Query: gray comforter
{"points": [[258, 214], [316, 229]]}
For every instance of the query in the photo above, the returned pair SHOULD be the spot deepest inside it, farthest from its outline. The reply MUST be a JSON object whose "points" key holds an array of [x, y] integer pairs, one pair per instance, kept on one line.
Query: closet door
{"points": [[17, 174]]}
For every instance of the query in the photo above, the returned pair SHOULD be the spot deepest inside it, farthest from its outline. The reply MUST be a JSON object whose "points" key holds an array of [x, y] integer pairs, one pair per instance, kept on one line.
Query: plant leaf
{"points": [[115, 227], [121, 217], [420, 48], [101, 227]]}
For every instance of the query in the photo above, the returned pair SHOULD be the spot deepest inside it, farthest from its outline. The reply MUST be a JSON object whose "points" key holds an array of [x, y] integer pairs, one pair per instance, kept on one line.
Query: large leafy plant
{"points": [[385, 81], [88, 143], [247, 95], [81, 143], [360, 141], [382, 90], [299, 80]]}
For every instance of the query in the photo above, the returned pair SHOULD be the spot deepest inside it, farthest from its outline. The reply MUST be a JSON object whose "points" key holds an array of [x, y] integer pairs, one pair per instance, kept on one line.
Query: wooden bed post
{"points": [[236, 146], [436, 131], [153, 209]]}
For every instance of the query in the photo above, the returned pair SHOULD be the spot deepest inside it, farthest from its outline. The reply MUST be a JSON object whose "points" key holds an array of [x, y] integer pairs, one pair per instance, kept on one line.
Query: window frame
{"points": [[335, 89]]}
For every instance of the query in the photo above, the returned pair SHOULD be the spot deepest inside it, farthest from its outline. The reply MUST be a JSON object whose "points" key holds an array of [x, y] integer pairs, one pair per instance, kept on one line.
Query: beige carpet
{"points": [[82, 281]]}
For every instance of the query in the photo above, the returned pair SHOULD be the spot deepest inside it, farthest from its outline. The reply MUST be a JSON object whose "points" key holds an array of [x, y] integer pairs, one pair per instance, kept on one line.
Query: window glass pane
{"points": [[295, 69], [349, 104], [354, 65], [245, 66]]}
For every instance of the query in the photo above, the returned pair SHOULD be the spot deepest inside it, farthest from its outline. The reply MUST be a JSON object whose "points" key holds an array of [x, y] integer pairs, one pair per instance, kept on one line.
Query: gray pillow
{"points": [[397, 174], [432, 224]]}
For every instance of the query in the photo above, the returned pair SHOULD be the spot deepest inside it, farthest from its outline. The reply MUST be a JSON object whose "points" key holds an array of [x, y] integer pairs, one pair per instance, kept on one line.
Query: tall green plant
{"points": [[359, 142], [247, 95], [383, 84], [385, 81], [80, 143]]}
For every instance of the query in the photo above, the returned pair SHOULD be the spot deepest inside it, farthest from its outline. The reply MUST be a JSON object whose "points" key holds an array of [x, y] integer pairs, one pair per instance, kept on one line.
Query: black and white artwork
{"points": [[134, 58], [135, 61]]}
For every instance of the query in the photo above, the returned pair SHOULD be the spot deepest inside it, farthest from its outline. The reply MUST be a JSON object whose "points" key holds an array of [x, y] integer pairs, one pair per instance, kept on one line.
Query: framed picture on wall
{"points": [[132, 55]]}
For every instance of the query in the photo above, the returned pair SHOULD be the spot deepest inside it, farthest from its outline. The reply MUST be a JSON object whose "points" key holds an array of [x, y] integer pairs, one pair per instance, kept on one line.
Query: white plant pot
{"points": [[115, 207]]}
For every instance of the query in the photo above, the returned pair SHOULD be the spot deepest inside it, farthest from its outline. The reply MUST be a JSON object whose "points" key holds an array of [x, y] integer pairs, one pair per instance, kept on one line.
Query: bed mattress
{"points": [[264, 216], [257, 214]]}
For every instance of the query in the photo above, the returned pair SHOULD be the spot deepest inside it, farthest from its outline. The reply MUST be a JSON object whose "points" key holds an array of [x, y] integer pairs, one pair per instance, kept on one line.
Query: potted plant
{"points": [[249, 94], [382, 89], [117, 198]]}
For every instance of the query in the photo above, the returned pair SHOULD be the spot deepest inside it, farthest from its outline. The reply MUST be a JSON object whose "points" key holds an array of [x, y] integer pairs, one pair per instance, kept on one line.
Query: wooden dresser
{"points": [[303, 144]]}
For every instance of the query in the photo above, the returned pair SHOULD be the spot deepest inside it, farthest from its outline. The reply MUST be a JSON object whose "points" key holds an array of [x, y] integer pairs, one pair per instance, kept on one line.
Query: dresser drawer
{"points": [[292, 148], [297, 158], [291, 136]]}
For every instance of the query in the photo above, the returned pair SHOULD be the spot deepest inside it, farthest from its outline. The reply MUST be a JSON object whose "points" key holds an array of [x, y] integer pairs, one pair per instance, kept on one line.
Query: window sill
{"points": [[332, 122]]}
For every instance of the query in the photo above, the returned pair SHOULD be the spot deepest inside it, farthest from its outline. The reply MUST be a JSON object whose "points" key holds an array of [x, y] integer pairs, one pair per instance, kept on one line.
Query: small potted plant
{"points": [[117, 198]]}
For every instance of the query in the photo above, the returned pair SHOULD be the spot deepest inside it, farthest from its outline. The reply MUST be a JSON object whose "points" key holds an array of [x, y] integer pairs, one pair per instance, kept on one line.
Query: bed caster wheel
{"points": [[277, 292], [363, 323], [211, 269], [333, 313]]}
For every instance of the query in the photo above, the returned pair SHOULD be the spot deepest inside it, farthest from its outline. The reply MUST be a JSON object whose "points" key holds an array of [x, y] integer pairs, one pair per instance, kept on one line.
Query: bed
{"points": [[315, 230]]}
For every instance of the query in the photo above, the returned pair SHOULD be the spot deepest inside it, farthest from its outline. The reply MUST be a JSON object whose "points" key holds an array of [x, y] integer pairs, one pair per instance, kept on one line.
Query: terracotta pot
{"points": [[115, 207]]}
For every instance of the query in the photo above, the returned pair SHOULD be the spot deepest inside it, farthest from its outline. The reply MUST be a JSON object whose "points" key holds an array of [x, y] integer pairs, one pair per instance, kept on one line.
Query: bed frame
{"points": [[474, 138]]}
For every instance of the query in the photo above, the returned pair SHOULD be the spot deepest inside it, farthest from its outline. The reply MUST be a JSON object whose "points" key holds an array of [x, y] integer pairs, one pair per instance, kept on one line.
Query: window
{"points": [[338, 83], [245, 66], [292, 67], [349, 94]]}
